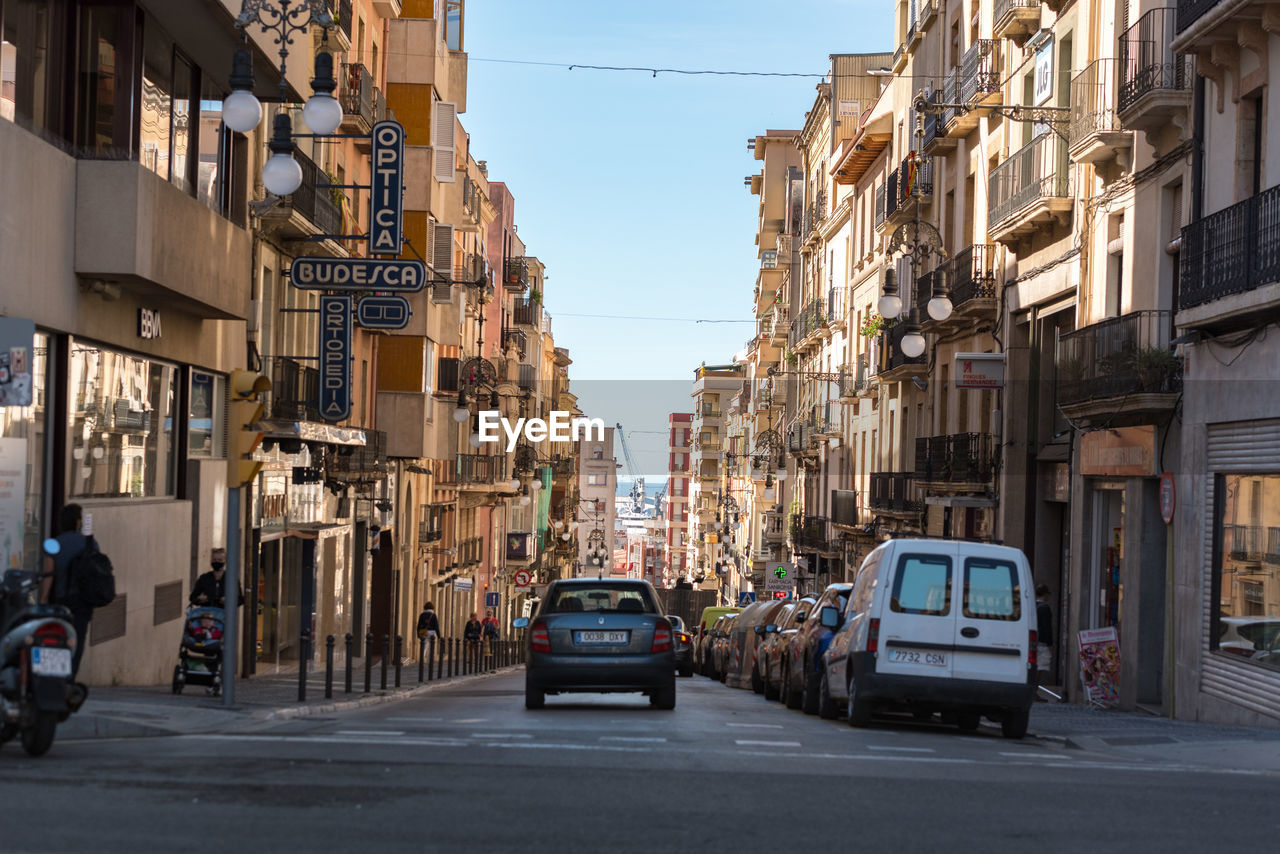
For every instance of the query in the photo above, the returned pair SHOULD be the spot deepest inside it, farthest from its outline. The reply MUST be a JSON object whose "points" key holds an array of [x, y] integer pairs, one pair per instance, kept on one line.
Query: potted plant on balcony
{"points": [[535, 296], [872, 326], [1155, 366], [791, 357]]}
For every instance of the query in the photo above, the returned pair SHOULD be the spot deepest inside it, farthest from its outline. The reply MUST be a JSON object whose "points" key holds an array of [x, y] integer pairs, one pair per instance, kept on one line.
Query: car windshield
{"points": [[601, 597]]}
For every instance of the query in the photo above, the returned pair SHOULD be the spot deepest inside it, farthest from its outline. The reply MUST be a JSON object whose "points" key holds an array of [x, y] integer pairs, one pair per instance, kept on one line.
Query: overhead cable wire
{"points": [[664, 319]]}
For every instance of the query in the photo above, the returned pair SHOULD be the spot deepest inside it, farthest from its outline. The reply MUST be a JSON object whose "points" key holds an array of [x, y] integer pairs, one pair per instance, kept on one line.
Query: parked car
{"points": [[778, 642], [683, 643], [934, 626], [720, 647], [599, 635], [801, 671], [710, 617], [748, 633], [705, 648], [714, 612]]}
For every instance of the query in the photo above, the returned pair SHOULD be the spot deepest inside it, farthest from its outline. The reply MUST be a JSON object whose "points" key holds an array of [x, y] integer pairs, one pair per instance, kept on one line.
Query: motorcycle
{"points": [[36, 646]]}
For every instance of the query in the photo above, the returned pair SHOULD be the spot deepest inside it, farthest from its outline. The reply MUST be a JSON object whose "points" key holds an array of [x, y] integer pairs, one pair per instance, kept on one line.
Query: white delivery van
{"points": [[935, 626]]}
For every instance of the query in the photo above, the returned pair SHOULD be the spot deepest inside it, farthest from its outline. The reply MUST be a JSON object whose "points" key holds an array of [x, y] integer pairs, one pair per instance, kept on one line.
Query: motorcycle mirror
{"points": [[51, 546]]}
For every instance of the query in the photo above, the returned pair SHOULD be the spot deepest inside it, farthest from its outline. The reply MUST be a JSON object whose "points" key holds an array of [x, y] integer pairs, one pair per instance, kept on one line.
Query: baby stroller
{"points": [[200, 656]]}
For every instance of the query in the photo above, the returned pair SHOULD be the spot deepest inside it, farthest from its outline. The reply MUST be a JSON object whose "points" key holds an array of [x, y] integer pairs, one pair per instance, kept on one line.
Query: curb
{"points": [[294, 712]]}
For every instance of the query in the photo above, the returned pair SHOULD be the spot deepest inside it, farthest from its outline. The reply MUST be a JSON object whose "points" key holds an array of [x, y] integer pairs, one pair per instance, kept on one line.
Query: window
{"points": [[1247, 568], [597, 480], [922, 586], [31, 62], [157, 102], [121, 413], [597, 452], [991, 590], [22, 446], [206, 414]]}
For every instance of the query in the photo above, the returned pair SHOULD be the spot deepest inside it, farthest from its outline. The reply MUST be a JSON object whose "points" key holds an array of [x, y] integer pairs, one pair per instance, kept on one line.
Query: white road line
{"points": [[902, 749], [414, 720], [500, 735], [382, 732], [759, 726], [470, 720], [1029, 755], [748, 742], [632, 738]]}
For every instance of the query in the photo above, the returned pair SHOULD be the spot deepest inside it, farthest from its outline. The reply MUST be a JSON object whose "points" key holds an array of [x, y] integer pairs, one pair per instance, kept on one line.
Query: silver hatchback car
{"points": [[599, 635]]}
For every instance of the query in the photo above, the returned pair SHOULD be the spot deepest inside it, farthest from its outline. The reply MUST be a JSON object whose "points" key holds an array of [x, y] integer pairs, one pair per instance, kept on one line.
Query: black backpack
{"points": [[91, 579]]}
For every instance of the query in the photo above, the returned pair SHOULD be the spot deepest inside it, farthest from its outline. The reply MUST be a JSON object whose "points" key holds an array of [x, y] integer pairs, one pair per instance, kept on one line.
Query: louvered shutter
{"points": [[443, 124], [442, 251]]}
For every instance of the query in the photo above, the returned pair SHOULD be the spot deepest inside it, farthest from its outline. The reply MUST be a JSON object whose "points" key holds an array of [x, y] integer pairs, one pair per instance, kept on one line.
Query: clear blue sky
{"points": [[630, 187]]}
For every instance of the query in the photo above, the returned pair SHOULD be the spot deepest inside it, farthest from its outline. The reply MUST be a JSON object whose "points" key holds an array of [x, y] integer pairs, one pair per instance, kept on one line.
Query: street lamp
{"points": [[912, 342], [889, 304], [939, 307]]}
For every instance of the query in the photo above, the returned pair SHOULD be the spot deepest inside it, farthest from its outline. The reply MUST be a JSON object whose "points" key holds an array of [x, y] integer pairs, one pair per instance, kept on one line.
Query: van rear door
{"points": [[917, 622], [994, 616]]}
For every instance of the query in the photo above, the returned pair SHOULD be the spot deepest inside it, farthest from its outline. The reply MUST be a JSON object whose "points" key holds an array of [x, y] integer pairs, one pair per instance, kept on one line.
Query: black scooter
{"points": [[36, 646]]}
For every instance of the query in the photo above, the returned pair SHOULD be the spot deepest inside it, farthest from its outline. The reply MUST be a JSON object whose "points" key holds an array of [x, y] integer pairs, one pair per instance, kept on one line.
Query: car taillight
{"points": [[661, 638], [50, 634], [684, 638], [1032, 656], [873, 634], [539, 640]]}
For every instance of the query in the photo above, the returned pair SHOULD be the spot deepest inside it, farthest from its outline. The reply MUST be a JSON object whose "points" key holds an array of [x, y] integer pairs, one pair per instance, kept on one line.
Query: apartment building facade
{"points": [[675, 511]]}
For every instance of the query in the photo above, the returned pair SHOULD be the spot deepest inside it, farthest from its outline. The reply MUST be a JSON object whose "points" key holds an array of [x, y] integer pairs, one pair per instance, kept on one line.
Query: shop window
{"points": [[22, 449], [206, 414], [121, 414], [1246, 574]]}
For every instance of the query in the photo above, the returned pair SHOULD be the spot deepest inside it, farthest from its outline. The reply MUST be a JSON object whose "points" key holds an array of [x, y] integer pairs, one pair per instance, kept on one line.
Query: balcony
{"points": [[515, 339], [1230, 260], [528, 377], [1244, 542], [825, 419], [1029, 190], [844, 508], [526, 312], [480, 470], [775, 527], [894, 492], [959, 459], [306, 212], [809, 533], [1120, 371], [912, 184], [1155, 83], [516, 277], [835, 309], [1096, 134], [935, 139], [356, 94], [799, 438], [295, 390], [895, 365], [520, 547], [973, 281], [365, 463], [977, 84], [848, 383], [1016, 20]]}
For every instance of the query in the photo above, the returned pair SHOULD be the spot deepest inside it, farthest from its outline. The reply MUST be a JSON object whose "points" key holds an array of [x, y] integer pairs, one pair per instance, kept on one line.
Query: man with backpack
{"points": [[58, 587]]}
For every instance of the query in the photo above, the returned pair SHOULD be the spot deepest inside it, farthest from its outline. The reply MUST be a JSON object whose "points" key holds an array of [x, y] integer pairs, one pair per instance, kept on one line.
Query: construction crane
{"points": [[637, 482]]}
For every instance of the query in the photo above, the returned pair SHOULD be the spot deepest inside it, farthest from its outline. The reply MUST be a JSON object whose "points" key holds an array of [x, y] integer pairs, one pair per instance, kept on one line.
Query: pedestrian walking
{"points": [[55, 587], [471, 633], [489, 631], [211, 587], [1044, 637], [428, 623]]}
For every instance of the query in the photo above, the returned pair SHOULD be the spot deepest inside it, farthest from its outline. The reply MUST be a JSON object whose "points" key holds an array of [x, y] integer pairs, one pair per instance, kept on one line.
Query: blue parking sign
{"points": [[746, 598], [492, 600]]}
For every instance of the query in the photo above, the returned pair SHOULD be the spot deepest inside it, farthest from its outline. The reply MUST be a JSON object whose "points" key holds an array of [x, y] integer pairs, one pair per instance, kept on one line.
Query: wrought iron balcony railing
{"points": [[1118, 356], [527, 313], [1190, 11], [1147, 63], [517, 339], [295, 390], [360, 463], [1231, 251], [480, 468], [891, 349], [844, 507], [893, 491], [809, 532], [1093, 101], [979, 71], [1037, 170], [973, 274], [958, 458], [355, 92], [317, 205]]}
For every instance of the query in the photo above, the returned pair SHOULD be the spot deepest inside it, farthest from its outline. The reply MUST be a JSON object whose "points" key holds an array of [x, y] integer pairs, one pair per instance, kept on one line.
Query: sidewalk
{"points": [[1139, 735], [138, 712]]}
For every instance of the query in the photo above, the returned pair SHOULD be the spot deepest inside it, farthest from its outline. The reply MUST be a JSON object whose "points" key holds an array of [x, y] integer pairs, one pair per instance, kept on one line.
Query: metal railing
{"points": [[880, 197], [361, 462], [1038, 170], [1231, 251], [1147, 63], [1118, 356], [1005, 7], [915, 178], [958, 458], [355, 92], [480, 468], [527, 312], [517, 274], [950, 95], [892, 197], [295, 390], [775, 526], [973, 273], [1190, 11], [848, 383], [835, 304], [809, 532], [844, 507], [1243, 542], [979, 70], [893, 491], [343, 8], [1093, 101], [934, 123], [315, 204], [892, 354], [517, 339]]}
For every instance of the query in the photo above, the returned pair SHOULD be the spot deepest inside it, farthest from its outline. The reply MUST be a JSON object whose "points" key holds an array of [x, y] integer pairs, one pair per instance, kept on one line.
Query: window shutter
{"points": [[442, 251], [443, 124], [447, 375]]}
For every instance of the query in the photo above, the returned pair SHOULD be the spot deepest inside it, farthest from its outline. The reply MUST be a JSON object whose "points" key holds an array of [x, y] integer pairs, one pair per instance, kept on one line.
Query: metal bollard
{"points": [[399, 656], [437, 649], [304, 653], [386, 653], [328, 667], [368, 662], [348, 679], [453, 646], [422, 658]]}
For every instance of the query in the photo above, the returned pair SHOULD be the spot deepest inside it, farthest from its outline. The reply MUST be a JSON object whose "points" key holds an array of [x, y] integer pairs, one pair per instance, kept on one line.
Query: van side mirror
{"points": [[830, 618], [520, 622]]}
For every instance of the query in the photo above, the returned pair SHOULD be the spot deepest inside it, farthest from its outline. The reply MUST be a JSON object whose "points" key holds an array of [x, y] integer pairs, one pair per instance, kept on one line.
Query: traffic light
{"points": [[244, 409]]}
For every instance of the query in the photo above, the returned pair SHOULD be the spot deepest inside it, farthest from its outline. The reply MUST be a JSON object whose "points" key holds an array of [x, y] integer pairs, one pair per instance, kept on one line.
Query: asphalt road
{"points": [[467, 768]]}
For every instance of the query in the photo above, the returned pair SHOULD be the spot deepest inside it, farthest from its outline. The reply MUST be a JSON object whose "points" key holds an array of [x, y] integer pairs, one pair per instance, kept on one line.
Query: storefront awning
{"points": [[312, 431]]}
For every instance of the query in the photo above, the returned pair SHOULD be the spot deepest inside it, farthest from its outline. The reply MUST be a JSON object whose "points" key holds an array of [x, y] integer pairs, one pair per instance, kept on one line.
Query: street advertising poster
{"points": [[17, 337], [13, 493], [1100, 665]]}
